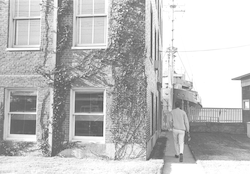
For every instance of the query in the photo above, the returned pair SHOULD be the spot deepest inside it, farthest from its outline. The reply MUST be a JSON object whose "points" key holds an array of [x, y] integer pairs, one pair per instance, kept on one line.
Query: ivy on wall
{"points": [[129, 95], [125, 56]]}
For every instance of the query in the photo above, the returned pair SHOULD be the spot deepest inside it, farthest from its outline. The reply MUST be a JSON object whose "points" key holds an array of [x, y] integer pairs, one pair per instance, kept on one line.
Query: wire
{"points": [[217, 49], [189, 66], [165, 53], [183, 65]]}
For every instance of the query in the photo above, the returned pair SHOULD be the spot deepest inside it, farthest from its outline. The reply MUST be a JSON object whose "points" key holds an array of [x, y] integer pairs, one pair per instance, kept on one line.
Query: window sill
{"points": [[89, 140], [23, 49], [21, 138], [89, 48]]}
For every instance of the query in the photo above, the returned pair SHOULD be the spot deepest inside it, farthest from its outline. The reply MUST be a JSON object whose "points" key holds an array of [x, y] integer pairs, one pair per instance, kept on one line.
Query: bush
{"points": [[11, 148]]}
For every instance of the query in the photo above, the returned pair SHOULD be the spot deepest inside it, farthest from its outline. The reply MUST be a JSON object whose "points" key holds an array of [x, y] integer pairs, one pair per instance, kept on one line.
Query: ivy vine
{"points": [[125, 56], [129, 103]]}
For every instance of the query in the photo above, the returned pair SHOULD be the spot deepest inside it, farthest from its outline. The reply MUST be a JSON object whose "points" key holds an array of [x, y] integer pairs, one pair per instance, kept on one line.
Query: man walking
{"points": [[180, 124]]}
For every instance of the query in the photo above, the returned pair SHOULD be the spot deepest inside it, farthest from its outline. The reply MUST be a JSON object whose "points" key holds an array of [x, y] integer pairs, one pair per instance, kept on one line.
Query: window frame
{"points": [[152, 114], [12, 30], [86, 139], [7, 116], [151, 33], [75, 45], [243, 104]]}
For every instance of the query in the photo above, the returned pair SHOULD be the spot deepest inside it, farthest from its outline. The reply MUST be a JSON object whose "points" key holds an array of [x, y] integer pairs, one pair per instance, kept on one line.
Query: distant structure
{"points": [[175, 85], [245, 90]]}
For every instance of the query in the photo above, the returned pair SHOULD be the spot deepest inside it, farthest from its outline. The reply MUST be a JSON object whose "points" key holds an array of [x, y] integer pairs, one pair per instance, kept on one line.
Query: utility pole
{"points": [[171, 56]]}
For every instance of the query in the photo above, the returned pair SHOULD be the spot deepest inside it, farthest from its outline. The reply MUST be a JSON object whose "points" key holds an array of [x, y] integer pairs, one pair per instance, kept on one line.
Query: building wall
{"points": [[245, 96], [70, 57], [18, 70], [152, 74]]}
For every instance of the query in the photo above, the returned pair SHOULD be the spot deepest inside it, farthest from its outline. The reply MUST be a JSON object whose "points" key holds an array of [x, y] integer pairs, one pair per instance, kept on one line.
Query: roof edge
{"points": [[241, 77]]}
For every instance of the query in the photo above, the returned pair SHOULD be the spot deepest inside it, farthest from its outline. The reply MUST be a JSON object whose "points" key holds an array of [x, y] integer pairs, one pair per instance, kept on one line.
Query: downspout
{"points": [[54, 45]]}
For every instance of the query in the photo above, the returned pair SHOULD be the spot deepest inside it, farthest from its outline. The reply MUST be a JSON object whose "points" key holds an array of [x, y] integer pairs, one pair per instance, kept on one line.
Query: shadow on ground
{"points": [[220, 146], [158, 150]]}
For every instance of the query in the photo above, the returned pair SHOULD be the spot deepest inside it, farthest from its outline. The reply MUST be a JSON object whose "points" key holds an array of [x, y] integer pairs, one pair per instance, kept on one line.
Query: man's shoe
{"points": [[176, 156], [181, 157]]}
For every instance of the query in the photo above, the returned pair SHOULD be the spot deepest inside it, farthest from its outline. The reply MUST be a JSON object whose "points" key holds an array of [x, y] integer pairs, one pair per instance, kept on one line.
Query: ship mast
{"points": [[171, 56]]}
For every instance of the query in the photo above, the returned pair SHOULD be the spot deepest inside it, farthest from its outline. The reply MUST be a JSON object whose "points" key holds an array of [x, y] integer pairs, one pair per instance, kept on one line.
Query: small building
{"points": [[245, 85]]}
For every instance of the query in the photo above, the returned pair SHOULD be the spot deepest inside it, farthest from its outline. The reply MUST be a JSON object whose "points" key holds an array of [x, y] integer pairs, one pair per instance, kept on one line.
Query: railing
{"points": [[221, 115]]}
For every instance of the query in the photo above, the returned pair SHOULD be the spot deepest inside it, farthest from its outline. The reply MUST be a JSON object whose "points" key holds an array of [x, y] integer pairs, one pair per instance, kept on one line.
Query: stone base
{"points": [[233, 128], [90, 151]]}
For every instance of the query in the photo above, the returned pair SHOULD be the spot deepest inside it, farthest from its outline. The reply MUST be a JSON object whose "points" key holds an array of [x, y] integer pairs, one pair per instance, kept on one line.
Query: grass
{"points": [[56, 165], [59, 165], [221, 153]]}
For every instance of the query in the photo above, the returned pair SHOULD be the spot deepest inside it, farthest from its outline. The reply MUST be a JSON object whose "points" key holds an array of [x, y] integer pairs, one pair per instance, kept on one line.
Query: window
{"points": [[88, 115], [20, 122], [25, 29], [90, 24], [246, 105]]}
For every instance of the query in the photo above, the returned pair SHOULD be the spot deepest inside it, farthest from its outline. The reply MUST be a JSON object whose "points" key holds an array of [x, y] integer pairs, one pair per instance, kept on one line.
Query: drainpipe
{"points": [[54, 45]]}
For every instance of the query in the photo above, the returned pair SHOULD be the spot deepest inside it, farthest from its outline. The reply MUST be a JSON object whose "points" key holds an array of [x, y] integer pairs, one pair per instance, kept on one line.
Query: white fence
{"points": [[220, 115]]}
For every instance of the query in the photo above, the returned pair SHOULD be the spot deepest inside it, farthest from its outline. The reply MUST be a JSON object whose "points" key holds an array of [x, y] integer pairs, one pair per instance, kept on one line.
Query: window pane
{"points": [[21, 32], [27, 8], [91, 125], [34, 32], [85, 7], [246, 104], [99, 6], [22, 101], [21, 8], [85, 30], [23, 124], [89, 102], [100, 29], [34, 7]]}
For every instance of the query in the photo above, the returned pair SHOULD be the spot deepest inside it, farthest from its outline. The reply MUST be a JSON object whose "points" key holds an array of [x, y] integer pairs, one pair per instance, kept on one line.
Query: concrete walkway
{"points": [[172, 164]]}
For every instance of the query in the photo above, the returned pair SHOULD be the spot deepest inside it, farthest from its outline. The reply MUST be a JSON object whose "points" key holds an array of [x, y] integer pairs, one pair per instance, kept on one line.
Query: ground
{"points": [[217, 153], [59, 165], [221, 153]]}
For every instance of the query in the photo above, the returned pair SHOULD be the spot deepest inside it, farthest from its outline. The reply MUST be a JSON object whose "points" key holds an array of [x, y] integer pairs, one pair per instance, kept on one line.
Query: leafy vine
{"points": [[125, 55], [129, 104]]}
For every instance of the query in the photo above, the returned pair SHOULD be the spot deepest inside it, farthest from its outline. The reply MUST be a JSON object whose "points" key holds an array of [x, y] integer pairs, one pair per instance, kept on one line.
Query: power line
{"points": [[183, 65], [216, 49], [189, 66]]}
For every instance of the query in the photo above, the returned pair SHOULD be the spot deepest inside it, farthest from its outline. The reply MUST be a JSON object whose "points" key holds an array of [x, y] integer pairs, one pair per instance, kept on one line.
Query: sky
{"points": [[213, 42]]}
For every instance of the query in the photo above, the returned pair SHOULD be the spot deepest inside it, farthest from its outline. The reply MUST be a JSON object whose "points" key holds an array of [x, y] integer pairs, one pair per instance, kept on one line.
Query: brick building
{"points": [[28, 39]]}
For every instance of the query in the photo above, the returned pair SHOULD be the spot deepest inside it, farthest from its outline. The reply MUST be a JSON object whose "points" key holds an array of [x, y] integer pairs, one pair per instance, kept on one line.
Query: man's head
{"points": [[178, 104]]}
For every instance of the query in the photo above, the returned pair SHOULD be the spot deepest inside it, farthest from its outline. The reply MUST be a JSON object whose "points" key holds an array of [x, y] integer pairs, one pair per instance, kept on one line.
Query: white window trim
{"points": [[11, 46], [6, 134], [86, 139], [243, 106], [24, 49], [89, 46]]}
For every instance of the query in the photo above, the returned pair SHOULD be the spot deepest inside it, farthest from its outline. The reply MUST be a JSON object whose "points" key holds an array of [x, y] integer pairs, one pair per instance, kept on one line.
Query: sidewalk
{"points": [[172, 164]]}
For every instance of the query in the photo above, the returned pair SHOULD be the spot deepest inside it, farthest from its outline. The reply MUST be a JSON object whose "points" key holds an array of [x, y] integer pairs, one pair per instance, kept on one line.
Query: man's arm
{"points": [[171, 120], [186, 121]]}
